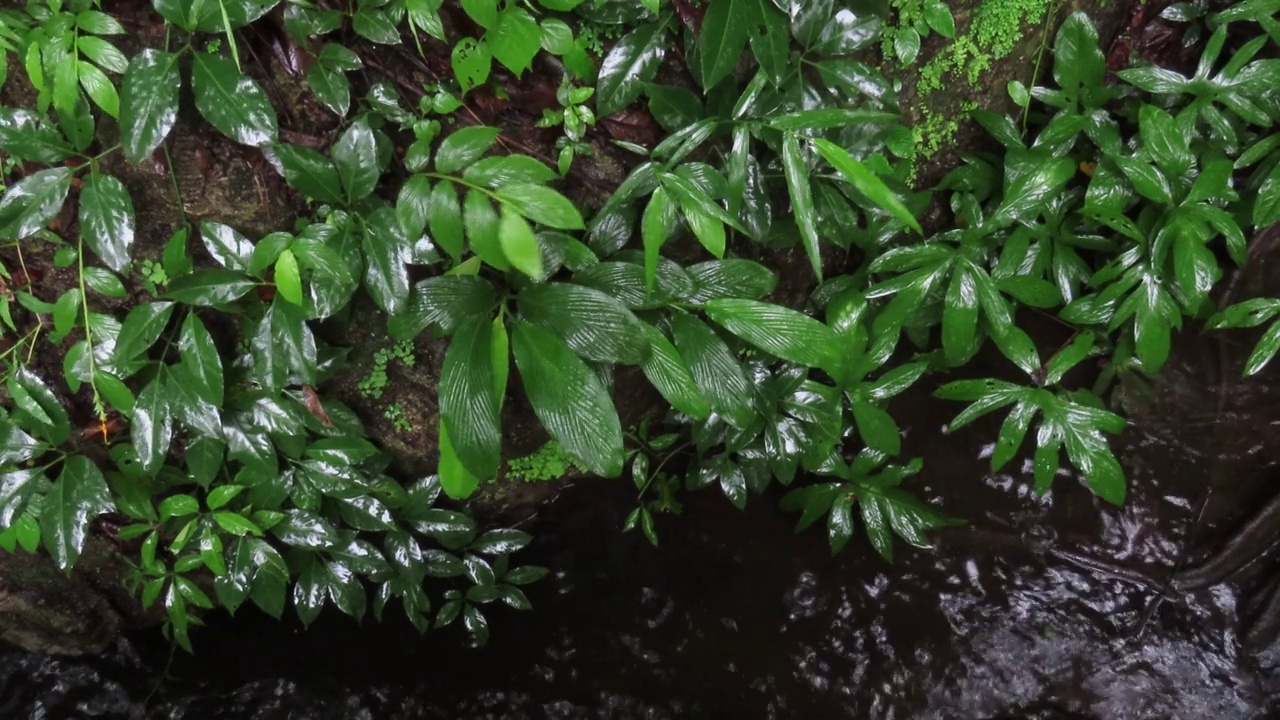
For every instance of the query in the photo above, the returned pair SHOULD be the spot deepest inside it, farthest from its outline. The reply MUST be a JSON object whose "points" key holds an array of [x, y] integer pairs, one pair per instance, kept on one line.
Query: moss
{"points": [[994, 33], [395, 413], [375, 383], [549, 462]]}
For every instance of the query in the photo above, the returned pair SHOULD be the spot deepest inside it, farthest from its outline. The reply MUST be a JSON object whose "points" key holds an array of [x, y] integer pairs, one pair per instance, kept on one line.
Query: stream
{"points": [[1025, 613]]}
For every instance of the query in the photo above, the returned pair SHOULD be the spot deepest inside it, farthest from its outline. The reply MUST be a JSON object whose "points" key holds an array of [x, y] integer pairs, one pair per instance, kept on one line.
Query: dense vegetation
{"points": [[179, 386]]}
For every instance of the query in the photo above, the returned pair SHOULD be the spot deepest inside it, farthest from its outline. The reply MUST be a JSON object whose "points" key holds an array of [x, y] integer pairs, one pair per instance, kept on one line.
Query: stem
{"points": [[658, 469], [177, 192], [88, 333]]}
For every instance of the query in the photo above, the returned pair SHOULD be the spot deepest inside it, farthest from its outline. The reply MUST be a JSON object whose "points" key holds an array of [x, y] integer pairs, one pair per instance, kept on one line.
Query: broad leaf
{"points": [[596, 326], [629, 65], [231, 102], [355, 155], [468, 401], [32, 202], [778, 331], [569, 399], [107, 219], [78, 497], [148, 102]]}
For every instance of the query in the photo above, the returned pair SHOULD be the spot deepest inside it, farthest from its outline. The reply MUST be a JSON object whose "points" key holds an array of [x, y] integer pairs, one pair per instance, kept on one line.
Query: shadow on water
{"points": [[736, 616]]}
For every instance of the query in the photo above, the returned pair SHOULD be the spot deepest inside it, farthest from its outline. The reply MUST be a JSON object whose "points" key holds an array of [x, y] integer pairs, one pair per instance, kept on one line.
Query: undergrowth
{"points": [[196, 412]]}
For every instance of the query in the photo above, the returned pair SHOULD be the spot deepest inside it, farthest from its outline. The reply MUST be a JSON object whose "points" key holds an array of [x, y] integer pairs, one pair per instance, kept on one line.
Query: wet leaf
{"points": [[802, 200], [79, 495], [387, 252], [515, 39], [468, 402], [778, 331], [543, 205], [722, 40], [208, 288], [107, 219], [715, 368], [569, 399], [519, 244], [471, 61], [631, 63], [32, 202], [867, 182], [310, 173], [596, 326], [355, 155], [200, 356], [152, 426], [37, 408], [443, 301], [232, 102], [667, 371], [464, 147], [27, 136]]}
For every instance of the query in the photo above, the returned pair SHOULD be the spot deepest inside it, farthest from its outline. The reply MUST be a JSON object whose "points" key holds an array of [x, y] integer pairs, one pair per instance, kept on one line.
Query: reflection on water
{"points": [[736, 616]]}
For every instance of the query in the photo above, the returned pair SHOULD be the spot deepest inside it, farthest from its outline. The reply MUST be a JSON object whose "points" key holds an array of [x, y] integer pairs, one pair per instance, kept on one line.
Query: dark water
{"points": [[736, 616]]}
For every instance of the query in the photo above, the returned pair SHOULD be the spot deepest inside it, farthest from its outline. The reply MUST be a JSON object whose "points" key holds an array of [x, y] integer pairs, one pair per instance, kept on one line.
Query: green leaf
{"points": [[200, 356], [778, 331], [723, 37], [25, 135], [658, 223], [36, 407], [355, 155], [866, 182], [770, 37], [387, 252], [715, 368], [288, 279], [596, 326], [283, 347], [1164, 140], [667, 371], [176, 506], [78, 497], [471, 62], [484, 12], [1146, 179], [877, 428], [141, 328], [377, 26], [445, 219], [1264, 351], [231, 249], [519, 244], [569, 399], [906, 45], [515, 39], [938, 16], [231, 102], [32, 202], [829, 118], [236, 524], [483, 225], [1266, 208], [152, 426], [1078, 64], [463, 147], [499, 171], [444, 301], [107, 219], [731, 278], [802, 200], [631, 63], [673, 107], [542, 205], [468, 402], [960, 317], [208, 288], [310, 173], [413, 205]]}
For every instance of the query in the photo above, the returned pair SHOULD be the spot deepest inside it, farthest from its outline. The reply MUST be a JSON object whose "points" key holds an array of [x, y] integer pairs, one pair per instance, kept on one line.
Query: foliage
{"points": [[200, 414], [549, 462]]}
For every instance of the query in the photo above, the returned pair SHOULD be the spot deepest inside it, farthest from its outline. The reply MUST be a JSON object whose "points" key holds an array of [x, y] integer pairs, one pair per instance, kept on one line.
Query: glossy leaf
{"points": [[310, 173], [387, 252], [355, 155], [32, 202], [631, 63], [778, 331], [152, 426], [463, 147], [468, 402], [596, 326], [78, 497], [715, 368], [232, 102], [667, 371], [867, 182], [542, 205], [519, 244], [107, 219], [722, 40], [569, 399], [802, 200]]}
